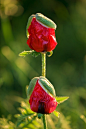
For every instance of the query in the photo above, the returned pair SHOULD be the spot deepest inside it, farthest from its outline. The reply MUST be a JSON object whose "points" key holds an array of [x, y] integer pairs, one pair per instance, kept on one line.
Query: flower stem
{"points": [[43, 64], [44, 121], [44, 74]]}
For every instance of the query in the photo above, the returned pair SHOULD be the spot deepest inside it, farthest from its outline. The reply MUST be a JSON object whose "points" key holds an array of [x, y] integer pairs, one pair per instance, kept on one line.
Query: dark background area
{"points": [[66, 68]]}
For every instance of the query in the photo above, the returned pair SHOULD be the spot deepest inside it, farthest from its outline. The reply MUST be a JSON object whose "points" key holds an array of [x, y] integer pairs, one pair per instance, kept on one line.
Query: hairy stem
{"points": [[44, 74], [43, 64]]}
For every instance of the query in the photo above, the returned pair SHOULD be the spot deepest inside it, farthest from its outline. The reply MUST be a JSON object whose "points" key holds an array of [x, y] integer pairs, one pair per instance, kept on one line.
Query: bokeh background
{"points": [[66, 68]]}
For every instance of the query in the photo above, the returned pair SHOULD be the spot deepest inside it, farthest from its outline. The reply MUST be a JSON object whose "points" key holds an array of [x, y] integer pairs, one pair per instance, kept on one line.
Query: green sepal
{"points": [[46, 21], [48, 87], [31, 86], [28, 24], [44, 83], [61, 99]]}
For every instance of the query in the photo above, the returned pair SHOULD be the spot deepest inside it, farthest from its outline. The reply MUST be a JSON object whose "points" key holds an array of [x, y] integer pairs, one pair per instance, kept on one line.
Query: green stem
{"points": [[43, 64], [44, 121], [44, 74]]}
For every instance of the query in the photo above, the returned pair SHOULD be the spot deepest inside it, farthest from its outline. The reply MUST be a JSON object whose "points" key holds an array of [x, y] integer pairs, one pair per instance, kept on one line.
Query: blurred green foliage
{"points": [[66, 68]]}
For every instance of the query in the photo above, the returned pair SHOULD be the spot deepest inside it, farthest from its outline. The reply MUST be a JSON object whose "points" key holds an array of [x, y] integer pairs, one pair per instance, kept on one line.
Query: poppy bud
{"points": [[41, 33], [41, 95]]}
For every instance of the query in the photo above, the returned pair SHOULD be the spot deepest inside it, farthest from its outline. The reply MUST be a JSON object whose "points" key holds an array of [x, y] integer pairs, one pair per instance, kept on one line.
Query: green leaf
{"points": [[61, 99], [24, 53], [35, 54], [50, 53], [56, 113], [28, 110], [21, 117], [18, 123]]}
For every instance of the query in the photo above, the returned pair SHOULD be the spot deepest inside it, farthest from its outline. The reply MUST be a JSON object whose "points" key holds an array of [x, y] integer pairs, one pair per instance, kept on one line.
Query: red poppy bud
{"points": [[41, 33], [42, 98]]}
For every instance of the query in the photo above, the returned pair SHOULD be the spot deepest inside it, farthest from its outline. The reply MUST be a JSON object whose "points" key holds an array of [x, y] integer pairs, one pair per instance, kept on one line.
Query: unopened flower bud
{"points": [[41, 95], [41, 33]]}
